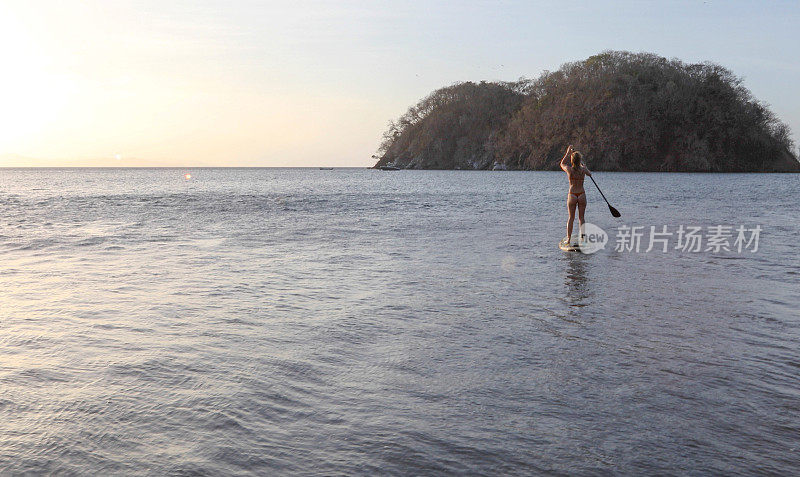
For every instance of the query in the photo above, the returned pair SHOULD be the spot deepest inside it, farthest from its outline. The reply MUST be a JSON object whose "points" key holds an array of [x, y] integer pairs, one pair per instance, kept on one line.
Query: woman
{"points": [[576, 172]]}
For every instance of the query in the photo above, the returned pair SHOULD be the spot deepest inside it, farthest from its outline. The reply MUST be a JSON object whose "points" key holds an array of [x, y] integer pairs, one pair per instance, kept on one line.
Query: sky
{"points": [[315, 83]]}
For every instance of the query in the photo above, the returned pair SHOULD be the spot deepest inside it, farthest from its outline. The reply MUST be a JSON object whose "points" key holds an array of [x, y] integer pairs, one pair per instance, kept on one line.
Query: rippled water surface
{"points": [[353, 321]]}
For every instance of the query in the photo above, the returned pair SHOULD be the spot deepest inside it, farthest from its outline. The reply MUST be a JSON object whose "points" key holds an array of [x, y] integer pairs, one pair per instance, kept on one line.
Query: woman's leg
{"points": [[581, 209], [571, 203]]}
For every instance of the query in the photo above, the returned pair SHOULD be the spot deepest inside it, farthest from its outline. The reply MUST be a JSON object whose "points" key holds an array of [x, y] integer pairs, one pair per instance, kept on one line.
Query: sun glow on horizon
{"points": [[312, 83], [32, 96], [166, 84]]}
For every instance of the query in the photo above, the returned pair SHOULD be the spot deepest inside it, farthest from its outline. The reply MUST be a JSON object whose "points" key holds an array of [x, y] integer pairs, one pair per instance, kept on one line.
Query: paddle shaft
{"points": [[601, 192]]}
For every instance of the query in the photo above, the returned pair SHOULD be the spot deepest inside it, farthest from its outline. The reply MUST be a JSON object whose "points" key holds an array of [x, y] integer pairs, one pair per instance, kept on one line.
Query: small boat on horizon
{"points": [[389, 168]]}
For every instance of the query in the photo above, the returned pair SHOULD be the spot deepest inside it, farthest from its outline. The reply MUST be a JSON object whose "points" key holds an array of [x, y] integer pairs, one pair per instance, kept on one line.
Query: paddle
{"points": [[614, 211]]}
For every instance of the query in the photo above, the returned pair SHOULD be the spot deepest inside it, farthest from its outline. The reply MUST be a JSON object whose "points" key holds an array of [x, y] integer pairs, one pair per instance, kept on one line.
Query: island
{"points": [[625, 111]]}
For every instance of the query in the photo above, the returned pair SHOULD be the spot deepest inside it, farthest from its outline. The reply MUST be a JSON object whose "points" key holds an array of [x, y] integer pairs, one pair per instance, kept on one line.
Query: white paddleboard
{"points": [[568, 247]]}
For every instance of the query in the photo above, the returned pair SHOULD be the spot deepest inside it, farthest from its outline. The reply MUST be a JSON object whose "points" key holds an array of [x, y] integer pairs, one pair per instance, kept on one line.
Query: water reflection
{"points": [[575, 279]]}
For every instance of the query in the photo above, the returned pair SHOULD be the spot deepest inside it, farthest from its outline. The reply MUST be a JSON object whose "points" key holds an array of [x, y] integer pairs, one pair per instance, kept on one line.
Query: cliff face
{"points": [[625, 111]]}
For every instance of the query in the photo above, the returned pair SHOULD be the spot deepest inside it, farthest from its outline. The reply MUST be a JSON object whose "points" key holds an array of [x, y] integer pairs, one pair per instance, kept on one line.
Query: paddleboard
{"points": [[568, 247]]}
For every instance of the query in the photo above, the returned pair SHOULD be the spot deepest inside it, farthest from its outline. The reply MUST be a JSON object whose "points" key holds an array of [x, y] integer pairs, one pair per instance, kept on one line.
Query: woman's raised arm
{"points": [[564, 160]]}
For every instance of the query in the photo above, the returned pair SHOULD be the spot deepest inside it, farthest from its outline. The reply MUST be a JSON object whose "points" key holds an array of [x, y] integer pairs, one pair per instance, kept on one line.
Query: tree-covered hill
{"points": [[452, 128], [625, 111]]}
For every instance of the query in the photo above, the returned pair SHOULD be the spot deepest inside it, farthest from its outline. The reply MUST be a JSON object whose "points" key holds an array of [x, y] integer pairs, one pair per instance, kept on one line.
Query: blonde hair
{"points": [[576, 158]]}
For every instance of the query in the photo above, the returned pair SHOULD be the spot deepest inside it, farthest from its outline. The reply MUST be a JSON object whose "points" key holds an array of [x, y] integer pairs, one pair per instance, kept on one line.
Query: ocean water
{"points": [[360, 322]]}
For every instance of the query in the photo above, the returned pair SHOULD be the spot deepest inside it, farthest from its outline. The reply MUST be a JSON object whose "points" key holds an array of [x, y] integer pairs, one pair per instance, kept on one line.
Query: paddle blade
{"points": [[614, 211]]}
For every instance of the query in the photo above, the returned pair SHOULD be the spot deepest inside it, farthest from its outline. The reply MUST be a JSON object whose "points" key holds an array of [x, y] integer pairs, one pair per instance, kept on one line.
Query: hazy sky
{"points": [[307, 83]]}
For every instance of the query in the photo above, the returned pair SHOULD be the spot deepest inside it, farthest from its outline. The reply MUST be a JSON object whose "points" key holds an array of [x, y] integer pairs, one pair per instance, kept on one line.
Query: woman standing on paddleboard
{"points": [[576, 197]]}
